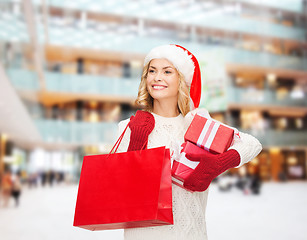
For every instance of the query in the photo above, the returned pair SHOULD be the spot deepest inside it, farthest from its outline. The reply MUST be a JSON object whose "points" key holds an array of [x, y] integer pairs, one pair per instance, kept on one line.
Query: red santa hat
{"points": [[185, 62]]}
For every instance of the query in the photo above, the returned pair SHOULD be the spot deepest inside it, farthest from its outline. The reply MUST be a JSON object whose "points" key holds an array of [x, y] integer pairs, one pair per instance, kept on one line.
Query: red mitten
{"points": [[141, 126], [210, 167]]}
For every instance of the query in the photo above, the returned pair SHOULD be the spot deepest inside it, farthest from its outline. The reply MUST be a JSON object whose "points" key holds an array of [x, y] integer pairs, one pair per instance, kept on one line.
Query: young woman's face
{"points": [[162, 80]]}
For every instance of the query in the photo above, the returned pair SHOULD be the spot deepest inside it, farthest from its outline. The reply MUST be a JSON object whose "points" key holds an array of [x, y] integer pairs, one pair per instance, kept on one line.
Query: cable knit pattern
{"points": [[188, 208], [247, 146]]}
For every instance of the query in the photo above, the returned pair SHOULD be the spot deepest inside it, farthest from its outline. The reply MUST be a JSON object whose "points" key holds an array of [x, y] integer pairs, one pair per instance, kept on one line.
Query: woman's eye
{"points": [[151, 71], [168, 72]]}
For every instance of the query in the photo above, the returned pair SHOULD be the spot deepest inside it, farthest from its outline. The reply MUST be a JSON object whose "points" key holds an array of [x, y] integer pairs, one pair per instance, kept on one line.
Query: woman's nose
{"points": [[158, 77]]}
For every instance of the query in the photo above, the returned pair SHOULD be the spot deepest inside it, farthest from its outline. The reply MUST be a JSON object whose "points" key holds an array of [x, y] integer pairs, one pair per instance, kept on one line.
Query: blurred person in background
{"points": [[282, 176], [44, 178], [170, 88], [6, 187], [16, 188], [226, 181], [249, 183], [33, 180], [51, 177], [255, 184], [243, 181]]}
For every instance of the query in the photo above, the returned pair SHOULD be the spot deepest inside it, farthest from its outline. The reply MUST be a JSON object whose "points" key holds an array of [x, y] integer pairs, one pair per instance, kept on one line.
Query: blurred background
{"points": [[70, 71]]}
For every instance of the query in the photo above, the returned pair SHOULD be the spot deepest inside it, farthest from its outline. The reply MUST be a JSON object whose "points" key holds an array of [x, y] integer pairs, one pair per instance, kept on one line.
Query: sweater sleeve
{"points": [[123, 146], [247, 146]]}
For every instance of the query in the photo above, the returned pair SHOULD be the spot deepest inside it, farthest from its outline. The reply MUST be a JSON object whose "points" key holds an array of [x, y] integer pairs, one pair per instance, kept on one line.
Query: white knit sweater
{"points": [[188, 208]]}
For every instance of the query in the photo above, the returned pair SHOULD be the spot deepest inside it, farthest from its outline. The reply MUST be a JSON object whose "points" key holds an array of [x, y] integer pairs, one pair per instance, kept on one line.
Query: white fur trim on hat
{"points": [[180, 58]]}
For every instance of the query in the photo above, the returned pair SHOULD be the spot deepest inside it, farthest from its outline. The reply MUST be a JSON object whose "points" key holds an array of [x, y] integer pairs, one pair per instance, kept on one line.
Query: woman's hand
{"points": [[210, 167], [141, 126]]}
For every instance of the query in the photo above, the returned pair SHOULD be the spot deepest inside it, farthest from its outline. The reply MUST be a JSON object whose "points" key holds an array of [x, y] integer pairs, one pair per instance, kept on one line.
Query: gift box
{"points": [[183, 167], [209, 134]]}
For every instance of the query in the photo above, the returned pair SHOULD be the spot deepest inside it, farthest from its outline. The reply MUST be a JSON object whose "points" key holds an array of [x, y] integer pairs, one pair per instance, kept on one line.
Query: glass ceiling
{"points": [[92, 34], [145, 7]]}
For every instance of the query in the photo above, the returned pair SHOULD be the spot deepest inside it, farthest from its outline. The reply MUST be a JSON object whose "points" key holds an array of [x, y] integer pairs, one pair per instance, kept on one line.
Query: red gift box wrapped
{"points": [[183, 167], [209, 134]]}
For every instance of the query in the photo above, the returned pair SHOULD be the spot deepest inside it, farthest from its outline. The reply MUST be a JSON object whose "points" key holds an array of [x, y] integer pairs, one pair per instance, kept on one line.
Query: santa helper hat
{"points": [[186, 63]]}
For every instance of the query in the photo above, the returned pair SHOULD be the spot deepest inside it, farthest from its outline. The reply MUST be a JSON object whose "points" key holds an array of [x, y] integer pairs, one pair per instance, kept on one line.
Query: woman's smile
{"points": [[158, 87]]}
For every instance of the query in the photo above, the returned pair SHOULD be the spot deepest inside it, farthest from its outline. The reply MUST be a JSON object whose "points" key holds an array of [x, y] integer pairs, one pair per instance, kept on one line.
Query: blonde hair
{"points": [[145, 101]]}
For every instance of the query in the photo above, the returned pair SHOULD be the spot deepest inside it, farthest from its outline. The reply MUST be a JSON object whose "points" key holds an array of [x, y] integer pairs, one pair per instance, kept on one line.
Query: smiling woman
{"points": [[165, 91], [162, 81], [170, 88], [163, 84]]}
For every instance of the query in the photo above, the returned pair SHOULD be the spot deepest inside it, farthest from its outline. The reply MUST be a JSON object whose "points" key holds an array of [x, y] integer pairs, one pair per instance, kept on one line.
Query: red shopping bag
{"points": [[125, 190]]}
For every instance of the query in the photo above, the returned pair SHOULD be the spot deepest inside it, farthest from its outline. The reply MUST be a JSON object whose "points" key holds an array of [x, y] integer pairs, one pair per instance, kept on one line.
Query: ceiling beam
{"points": [[37, 50]]}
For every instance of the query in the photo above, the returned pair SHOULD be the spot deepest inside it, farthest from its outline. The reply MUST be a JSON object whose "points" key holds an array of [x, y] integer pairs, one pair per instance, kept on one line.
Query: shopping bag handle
{"points": [[119, 140]]}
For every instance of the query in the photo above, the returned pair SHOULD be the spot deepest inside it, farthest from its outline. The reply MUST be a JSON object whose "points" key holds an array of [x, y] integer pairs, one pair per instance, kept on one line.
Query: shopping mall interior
{"points": [[70, 72]]}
